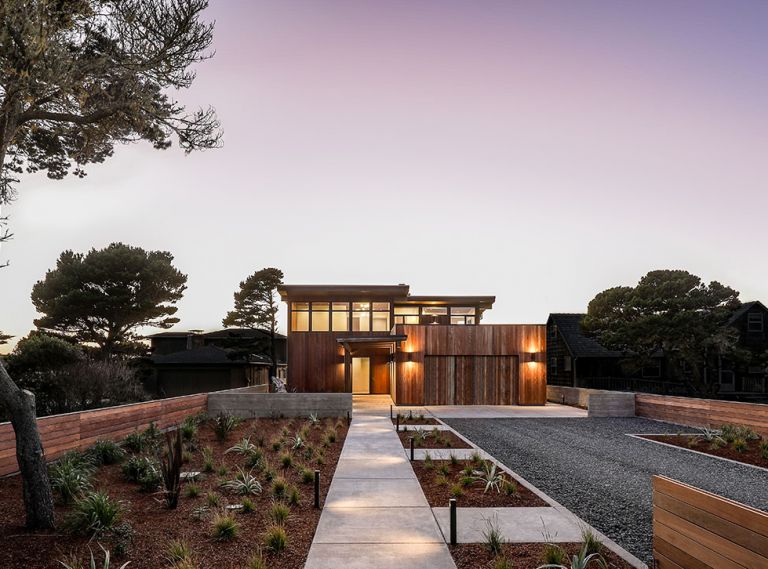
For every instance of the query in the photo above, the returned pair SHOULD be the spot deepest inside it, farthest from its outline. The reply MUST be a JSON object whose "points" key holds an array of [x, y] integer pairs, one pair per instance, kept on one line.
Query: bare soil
{"points": [[750, 455], [520, 555], [435, 439], [438, 481], [155, 525]]}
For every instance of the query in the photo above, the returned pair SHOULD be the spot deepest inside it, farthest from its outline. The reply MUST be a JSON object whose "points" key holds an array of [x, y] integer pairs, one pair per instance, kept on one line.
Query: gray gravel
{"points": [[603, 476]]}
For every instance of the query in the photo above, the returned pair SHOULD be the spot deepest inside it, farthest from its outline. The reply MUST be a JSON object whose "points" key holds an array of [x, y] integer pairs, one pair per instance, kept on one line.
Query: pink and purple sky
{"points": [[541, 151]]}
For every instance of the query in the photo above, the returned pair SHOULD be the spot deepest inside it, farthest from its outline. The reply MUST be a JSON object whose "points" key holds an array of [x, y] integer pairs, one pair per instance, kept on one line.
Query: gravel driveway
{"points": [[591, 467]]}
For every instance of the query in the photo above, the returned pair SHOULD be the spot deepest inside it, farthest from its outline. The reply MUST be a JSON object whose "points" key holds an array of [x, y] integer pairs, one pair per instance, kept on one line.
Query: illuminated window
{"points": [[300, 321], [361, 321], [300, 306], [320, 321], [459, 320], [406, 319], [361, 306], [405, 310], [434, 310], [340, 321], [379, 306], [341, 306], [381, 321], [462, 311], [320, 306], [470, 319]]}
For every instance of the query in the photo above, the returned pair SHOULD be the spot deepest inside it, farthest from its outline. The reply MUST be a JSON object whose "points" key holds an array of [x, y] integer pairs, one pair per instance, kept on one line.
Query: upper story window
{"points": [[463, 314], [406, 314], [300, 316], [321, 316], [340, 317], [755, 322]]}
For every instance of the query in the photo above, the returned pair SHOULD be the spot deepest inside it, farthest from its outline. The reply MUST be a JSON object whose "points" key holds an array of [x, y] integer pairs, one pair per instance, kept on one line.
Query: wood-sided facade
{"points": [[422, 350]]}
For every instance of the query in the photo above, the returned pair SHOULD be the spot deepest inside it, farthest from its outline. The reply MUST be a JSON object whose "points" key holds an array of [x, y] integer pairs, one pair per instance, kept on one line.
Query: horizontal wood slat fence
{"points": [[62, 433], [702, 412], [693, 529]]}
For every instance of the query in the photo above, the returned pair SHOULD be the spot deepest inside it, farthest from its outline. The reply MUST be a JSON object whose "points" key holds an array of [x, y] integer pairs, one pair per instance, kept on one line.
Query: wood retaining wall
{"points": [[70, 431], [702, 412], [693, 529]]}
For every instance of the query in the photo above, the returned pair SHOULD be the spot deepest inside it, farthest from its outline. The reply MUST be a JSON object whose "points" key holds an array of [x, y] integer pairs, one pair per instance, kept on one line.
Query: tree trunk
{"points": [[38, 498], [272, 354]]}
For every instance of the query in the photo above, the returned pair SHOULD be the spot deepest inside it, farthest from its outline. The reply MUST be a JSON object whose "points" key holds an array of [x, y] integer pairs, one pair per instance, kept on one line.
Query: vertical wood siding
{"points": [[62, 433]]}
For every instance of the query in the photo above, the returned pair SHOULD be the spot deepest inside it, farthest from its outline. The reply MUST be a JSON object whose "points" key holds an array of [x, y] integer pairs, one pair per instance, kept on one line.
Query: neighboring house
{"points": [[577, 360], [422, 350], [193, 362]]}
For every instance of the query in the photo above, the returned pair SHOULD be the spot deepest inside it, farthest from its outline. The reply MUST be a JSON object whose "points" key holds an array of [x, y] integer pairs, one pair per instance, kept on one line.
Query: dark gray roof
{"points": [[579, 344], [744, 308], [219, 334], [206, 355]]}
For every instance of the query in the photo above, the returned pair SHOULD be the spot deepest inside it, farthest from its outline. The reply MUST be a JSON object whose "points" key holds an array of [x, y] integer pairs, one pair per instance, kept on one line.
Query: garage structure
{"points": [[422, 350]]}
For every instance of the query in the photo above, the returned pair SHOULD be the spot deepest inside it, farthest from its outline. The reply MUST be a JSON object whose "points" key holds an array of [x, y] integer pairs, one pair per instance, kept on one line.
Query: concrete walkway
{"points": [[375, 514]]}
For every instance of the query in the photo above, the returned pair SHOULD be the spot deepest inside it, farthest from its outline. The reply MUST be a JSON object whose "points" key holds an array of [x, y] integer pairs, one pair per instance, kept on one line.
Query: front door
{"points": [[361, 375]]}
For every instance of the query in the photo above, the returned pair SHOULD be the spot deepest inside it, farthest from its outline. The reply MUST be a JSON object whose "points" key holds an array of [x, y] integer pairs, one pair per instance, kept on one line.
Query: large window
{"points": [[380, 317], [300, 317], [413, 314], [463, 314], [340, 317], [321, 317], [406, 314]]}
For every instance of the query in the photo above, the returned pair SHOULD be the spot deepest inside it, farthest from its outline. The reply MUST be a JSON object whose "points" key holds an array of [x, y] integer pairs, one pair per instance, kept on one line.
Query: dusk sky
{"points": [[541, 151]]}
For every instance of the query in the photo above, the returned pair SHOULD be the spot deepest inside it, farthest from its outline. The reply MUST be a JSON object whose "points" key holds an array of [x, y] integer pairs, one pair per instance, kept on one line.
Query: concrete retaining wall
{"points": [[248, 403], [598, 403]]}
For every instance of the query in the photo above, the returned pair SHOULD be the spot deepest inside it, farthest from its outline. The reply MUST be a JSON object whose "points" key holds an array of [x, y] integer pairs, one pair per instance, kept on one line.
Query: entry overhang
{"points": [[390, 342]]}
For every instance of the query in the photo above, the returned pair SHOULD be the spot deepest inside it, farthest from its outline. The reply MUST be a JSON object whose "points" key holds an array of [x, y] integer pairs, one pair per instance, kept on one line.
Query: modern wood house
{"points": [[422, 350]]}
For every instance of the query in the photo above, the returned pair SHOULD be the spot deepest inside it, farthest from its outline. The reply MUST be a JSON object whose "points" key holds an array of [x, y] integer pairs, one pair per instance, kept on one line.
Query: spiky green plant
{"points": [[192, 491], [177, 551], [70, 477], [276, 539], [489, 476], [75, 564], [94, 514], [279, 513], [492, 536], [244, 483], [244, 447], [224, 424], [106, 452]]}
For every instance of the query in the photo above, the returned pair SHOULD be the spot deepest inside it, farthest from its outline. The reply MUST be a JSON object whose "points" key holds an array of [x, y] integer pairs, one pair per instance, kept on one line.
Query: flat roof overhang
{"points": [[482, 302], [389, 342], [325, 292]]}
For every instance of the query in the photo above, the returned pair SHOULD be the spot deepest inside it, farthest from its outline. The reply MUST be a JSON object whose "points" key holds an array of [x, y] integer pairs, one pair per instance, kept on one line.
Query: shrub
{"points": [[224, 527], [313, 420], [207, 453], [476, 458], [294, 497], [94, 514], [188, 428], [466, 481], [453, 459], [178, 551], [764, 449], [457, 491], [253, 458], [492, 536], [554, 554], [279, 487], [244, 483], [192, 491], [296, 442], [286, 460], [70, 477], [592, 544], [330, 436], [224, 424], [276, 539], [121, 536], [213, 499], [248, 506], [509, 487], [144, 471], [152, 435], [222, 470], [278, 513], [135, 442], [268, 471], [257, 562], [106, 452], [444, 469], [739, 445], [244, 447], [502, 562], [307, 475], [441, 480], [276, 444]]}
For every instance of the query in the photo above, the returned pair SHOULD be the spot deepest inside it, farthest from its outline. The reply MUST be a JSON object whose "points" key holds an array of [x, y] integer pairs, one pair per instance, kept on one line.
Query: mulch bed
{"points": [[155, 525], [751, 455], [439, 491], [435, 439], [521, 555], [416, 420]]}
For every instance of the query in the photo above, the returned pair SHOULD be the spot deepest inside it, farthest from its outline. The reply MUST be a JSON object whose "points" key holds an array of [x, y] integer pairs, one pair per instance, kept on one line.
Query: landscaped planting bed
{"points": [[276, 522], [737, 443], [474, 483], [431, 438], [524, 556], [411, 418]]}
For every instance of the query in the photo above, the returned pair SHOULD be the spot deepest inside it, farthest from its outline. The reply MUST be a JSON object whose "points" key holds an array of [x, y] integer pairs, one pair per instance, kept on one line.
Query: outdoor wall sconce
{"points": [[533, 357]]}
